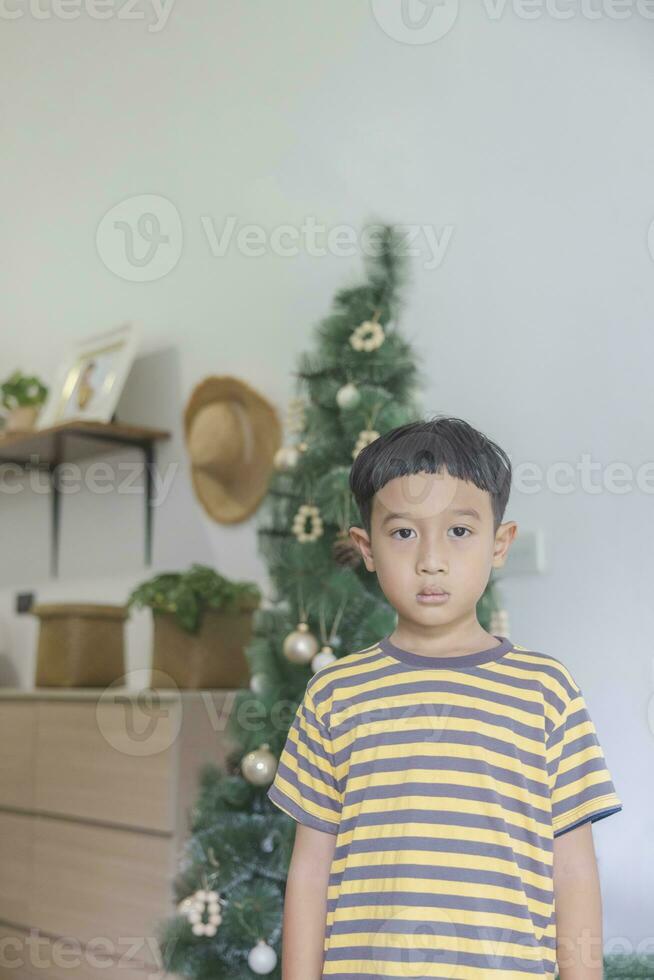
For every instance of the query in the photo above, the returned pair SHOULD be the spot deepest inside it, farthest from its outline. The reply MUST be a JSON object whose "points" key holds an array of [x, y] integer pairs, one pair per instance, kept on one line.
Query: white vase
{"points": [[22, 419]]}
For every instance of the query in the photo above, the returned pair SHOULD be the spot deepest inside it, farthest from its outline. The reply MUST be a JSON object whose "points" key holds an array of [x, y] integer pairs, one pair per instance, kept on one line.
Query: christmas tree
{"points": [[360, 381]]}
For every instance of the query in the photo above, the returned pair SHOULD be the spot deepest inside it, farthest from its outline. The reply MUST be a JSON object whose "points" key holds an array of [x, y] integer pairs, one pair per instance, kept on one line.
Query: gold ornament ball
{"points": [[259, 766], [300, 646]]}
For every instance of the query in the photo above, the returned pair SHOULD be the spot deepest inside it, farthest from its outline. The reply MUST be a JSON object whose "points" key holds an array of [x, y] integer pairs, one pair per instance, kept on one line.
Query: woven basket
{"points": [[212, 658], [80, 644]]}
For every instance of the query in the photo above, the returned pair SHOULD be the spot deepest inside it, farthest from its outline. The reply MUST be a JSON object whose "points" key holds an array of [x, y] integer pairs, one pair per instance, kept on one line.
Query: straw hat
{"points": [[232, 434]]}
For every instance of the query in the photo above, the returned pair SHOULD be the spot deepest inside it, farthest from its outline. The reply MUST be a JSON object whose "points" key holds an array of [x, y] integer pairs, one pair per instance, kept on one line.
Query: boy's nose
{"points": [[429, 563]]}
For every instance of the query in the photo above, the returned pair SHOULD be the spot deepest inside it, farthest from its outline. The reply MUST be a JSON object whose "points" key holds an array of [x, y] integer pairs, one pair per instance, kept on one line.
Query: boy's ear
{"points": [[505, 535], [361, 540]]}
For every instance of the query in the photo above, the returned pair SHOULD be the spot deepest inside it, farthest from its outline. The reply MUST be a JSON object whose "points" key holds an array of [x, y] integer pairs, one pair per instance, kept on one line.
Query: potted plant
{"points": [[202, 624], [23, 396]]}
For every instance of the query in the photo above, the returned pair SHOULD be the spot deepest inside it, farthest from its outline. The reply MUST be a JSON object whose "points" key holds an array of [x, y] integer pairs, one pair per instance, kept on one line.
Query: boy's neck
{"points": [[446, 640]]}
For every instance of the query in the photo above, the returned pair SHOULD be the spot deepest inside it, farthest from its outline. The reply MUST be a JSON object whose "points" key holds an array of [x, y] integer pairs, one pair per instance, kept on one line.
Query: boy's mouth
{"points": [[432, 595]]}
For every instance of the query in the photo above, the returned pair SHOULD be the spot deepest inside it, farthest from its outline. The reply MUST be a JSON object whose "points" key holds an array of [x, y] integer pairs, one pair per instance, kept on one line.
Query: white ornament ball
{"points": [[262, 958], [259, 766], [326, 656], [286, 458], [258, 683], [348, 396], [300, 646]]}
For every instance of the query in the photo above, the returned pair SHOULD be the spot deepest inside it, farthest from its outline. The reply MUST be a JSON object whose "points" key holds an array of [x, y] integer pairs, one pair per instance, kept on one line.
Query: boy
{"points": [[444, 780]]}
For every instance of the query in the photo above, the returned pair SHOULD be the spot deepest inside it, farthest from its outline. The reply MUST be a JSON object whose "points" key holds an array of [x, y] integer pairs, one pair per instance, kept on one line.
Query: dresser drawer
{"points": [[107, 761], [100, 881], [17, 733], [94, 811], [16, 867]]}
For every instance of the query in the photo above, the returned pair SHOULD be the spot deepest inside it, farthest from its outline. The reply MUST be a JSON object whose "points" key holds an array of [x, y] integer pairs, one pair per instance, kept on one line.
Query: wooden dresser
{"points": [[95, 792]]}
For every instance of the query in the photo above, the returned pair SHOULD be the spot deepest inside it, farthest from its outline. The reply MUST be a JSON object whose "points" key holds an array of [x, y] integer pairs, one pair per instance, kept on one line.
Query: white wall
{"points": [[530, 138]]}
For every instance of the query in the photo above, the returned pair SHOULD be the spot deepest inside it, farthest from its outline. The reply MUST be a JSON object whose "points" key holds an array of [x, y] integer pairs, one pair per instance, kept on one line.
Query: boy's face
{"points": [[432, 546]]}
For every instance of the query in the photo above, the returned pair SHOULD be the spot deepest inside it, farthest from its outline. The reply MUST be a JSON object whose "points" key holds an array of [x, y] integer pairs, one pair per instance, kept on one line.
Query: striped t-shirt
{"points": [[444, 780]]}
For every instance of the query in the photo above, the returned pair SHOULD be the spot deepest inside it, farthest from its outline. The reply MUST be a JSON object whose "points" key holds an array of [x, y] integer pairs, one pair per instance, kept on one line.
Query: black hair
{"points": [[428, 446]]}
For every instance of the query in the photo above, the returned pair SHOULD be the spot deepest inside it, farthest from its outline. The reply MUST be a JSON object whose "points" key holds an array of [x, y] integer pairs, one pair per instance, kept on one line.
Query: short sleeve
{"points": [[305, 784], [581, 787]]}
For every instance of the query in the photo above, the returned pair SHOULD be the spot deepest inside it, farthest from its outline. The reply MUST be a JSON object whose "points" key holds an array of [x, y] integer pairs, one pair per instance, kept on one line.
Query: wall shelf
{"points": [[74, 441]]}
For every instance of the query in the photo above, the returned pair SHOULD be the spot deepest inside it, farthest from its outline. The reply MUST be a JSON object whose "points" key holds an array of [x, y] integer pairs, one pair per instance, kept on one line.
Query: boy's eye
{"points": [[398, 531], [403, 538]]}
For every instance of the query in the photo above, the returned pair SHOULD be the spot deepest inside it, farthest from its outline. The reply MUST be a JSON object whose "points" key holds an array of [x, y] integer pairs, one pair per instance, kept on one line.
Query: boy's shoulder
{"points": [[550, 666]]}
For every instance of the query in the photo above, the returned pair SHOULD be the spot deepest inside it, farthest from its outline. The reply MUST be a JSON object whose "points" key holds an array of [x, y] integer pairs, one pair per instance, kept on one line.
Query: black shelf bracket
{"points": [[147, 448]]}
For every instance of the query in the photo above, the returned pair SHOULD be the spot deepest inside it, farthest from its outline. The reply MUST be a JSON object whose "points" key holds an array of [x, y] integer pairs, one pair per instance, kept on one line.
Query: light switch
{"points": [[24, 602]]}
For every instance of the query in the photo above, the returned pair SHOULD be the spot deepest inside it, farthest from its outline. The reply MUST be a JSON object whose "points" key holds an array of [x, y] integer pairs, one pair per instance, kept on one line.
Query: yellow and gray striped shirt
{"points": [[445, 780]]}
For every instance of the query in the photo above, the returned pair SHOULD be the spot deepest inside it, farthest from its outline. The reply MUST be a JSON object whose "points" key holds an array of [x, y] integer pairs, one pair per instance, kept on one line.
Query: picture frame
{"points": [[91, 377]]}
